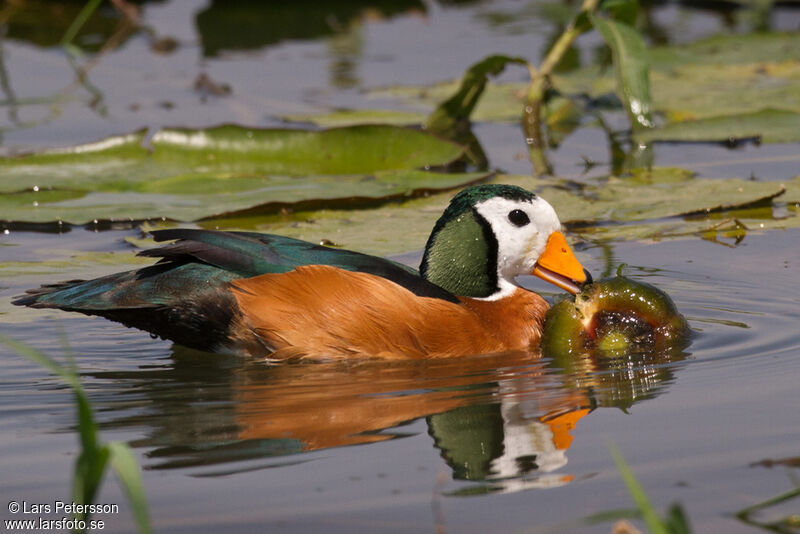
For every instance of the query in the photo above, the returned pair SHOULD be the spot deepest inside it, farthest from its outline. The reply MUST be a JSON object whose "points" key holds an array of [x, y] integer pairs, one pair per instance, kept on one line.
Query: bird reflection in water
{"points": [[504, 421]]}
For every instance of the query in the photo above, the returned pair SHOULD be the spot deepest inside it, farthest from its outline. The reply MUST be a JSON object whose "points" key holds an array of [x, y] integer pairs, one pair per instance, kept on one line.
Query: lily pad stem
{"points": [[532, 114]]}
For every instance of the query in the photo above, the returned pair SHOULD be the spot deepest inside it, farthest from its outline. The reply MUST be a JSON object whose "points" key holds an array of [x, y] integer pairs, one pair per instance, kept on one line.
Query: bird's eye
{"points": [[518, 218]]}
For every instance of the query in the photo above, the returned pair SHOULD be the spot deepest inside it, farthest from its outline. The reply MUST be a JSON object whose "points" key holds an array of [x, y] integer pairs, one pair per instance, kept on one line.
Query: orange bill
{"points": [[559, 266]]}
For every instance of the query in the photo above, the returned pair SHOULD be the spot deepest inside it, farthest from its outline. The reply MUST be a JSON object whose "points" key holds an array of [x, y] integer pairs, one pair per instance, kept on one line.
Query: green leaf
{"points": [[351, 117], [724, 228], [734, 75], [127, 471], [647, 205], [193, 174], [201, 197], [769, 125], [64, 373], [390, 229], [354, 149], [88, 9], [499, 102], [669, 203], [91, 463], [631, 69], [624, 11], [90, 466], [695, 91], [676, 521], [651, 519], [729, 49], [624, 199], [729, 75], [448, 116]]}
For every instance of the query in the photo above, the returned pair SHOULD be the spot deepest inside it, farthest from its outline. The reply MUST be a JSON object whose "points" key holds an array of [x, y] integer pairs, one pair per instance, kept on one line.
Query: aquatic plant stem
{"points": [[744, 514], [90, 7], [532, 114]]}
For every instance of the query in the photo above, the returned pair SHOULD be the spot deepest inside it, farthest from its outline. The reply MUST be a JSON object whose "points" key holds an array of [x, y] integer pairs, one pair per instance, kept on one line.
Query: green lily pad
{"points": [[65, 261], [622, 199], [498, 102], [726, 228], [56, 265], [394, 228], [193, 174], [696, 91], [656, 204], [349, 117], [191, 197], [770, 126], [729, 49]]}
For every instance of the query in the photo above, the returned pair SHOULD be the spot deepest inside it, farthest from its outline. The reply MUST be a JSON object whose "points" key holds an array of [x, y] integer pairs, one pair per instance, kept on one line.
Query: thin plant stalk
{"points": [[79, 21], [532, 115]]}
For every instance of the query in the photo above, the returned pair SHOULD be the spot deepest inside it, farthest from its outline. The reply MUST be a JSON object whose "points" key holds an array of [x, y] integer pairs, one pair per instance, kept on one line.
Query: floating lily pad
{"points": [[770, 126], [593, 213], [499, 102], [729, 49], [65, 261], [56, 265], [348, 117], [696, 91], [621, 199], [394, 228], [192, 174], [727, 227], [192, 197]]}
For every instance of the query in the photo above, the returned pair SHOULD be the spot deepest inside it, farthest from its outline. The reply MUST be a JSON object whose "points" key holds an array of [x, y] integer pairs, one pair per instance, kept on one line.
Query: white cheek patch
{"points": [[519, 247]]}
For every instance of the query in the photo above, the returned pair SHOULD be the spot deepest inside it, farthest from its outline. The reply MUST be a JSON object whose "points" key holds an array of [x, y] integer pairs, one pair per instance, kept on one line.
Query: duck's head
{"points": [[489, 235]]}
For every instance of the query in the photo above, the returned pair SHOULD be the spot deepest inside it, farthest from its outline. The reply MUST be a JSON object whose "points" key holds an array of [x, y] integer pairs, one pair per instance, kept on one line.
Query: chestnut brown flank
{"points": [[330, 312]]}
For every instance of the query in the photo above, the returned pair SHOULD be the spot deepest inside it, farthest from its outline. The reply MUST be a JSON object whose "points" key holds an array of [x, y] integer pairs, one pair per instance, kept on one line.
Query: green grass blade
{"points": [[127, 470], [43, 360], [90, 467], [87, 427], [93, 459], [651, 519], [676, 521]]}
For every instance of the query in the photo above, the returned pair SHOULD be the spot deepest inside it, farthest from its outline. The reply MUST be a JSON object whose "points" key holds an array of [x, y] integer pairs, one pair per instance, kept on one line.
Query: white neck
{"points": [[505, 289]]}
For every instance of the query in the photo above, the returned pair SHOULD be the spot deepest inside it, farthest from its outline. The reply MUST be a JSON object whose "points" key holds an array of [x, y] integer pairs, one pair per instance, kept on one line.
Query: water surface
{"points": [[500, 442]]}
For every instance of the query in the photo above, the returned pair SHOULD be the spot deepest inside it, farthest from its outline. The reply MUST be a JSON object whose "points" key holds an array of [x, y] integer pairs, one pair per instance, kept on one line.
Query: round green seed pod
{"points": [[613, 339], [613, 317]]}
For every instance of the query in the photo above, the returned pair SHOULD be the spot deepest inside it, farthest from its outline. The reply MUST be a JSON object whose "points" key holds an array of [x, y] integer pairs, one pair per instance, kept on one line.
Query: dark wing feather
{"points": [[188, 303], [186, 297], [251, 254]]}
